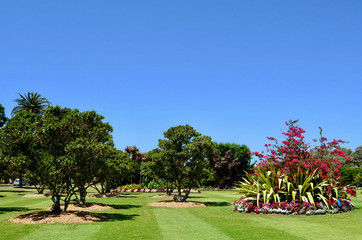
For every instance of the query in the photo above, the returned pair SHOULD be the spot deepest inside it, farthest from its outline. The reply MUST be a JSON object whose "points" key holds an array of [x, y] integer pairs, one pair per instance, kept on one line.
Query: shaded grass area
{"points": [[132, 218]]}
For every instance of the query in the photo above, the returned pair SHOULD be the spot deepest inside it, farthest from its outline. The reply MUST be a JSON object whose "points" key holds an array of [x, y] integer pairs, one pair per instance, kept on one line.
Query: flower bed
{"points": [[295, 208], [152, 190]]}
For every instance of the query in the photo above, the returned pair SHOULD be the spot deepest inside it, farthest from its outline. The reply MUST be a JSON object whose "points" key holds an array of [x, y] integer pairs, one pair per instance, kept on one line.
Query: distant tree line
{"points": [[67, 152]]}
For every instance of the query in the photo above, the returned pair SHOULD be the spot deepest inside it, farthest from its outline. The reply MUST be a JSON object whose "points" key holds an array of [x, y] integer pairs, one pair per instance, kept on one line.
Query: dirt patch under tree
{"points": [[164, 196], [64, 217], [175, 204], [87, 207], [105, 195]]}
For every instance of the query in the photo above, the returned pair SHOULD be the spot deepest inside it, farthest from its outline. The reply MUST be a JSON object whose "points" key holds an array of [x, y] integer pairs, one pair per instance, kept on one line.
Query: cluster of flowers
{"points": [[294, 207], [152, 190], [295, 155]]}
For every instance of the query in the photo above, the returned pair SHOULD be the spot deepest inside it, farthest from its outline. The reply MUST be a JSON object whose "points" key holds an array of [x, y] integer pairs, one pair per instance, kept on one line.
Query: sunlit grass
{"points": [[134, 219]]}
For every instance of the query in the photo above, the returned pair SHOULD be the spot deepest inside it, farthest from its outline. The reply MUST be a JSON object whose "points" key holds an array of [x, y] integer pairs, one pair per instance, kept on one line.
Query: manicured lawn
{"points": [[135, 220]]}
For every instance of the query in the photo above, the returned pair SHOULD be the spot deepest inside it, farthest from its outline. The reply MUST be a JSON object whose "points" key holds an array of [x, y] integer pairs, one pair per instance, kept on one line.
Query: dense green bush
{"points": [[131, 186], [349, 174]]}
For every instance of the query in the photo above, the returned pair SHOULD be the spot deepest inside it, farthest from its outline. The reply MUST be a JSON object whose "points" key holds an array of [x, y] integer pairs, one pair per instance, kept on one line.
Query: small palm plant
{"points": [[31, 102]]}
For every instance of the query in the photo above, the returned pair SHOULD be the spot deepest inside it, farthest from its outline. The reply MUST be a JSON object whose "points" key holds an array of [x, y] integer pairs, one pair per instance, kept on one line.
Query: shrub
{"points": [[290, 173], [130, 186], [349, 174]]}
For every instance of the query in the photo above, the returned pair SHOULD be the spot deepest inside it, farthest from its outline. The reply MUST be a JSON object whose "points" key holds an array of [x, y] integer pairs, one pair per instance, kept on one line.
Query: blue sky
{"points": [[234, 70]]}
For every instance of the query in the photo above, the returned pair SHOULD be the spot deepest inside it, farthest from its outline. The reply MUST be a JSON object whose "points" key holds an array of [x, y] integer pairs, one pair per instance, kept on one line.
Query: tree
{"points": [[112, 171], [156, 170], [229, 167], [2, 116], [59, 147], [357, 157], [31, 102], [186, 153], [137, 157]]}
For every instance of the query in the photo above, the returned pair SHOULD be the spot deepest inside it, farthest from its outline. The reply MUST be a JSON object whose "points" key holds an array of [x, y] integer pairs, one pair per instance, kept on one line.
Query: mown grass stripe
{"points": [[63, 231], [181, 224]]}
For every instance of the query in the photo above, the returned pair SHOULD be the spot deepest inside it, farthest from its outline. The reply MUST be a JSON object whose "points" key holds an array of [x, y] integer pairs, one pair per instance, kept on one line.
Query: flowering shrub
{"points": [[293, 173], [146, 190]]}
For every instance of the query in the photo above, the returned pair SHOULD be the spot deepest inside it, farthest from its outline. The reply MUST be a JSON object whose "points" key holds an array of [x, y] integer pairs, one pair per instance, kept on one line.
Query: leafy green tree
{"points": [[59, 147], [229, 167], [2, 116], [186, 153], [87, 142], [112, 171], [30, 102], [155, 169], [357, 157]]}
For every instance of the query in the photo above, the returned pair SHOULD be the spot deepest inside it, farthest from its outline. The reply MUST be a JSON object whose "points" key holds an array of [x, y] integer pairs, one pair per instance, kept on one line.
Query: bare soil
{"points": [[87, 207], [64, 217], [38, 195], [165, 196], [106, 195], [174, 204]]}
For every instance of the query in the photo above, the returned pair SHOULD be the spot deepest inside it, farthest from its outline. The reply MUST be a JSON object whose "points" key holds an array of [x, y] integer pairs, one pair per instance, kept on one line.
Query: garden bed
{"points": [[64, 217], [175, 204], [87, 207]]}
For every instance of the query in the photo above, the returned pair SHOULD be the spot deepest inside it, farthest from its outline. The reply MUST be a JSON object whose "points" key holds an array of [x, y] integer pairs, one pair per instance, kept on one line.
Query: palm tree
{"points": [[32, 102]]}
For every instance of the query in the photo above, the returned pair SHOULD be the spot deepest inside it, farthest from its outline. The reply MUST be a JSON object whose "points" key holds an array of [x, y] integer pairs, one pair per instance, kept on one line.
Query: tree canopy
{"points": [[2, 116], [229, 167], [185, 154], [59, 147]]}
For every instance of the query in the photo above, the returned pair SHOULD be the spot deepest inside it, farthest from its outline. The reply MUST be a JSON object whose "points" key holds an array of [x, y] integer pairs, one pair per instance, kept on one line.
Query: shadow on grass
{"points": [[113, 217], [14, 191], [14, 209], [130, 195], [125, 206], [196, 197], [218, 204]]}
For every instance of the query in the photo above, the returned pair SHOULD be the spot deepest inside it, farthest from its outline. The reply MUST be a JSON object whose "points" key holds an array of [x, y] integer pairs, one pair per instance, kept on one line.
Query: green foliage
{"points": [[358, 179], [60, 148], [2, 116], [357, 157], [131, 186], [31, 102], [231, 164], [269, 186], [349, 175], [185, 154]]}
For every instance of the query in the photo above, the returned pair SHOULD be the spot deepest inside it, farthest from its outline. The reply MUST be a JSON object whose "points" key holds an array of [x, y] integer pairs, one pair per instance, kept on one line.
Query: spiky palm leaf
{"points": [[31, 102]]}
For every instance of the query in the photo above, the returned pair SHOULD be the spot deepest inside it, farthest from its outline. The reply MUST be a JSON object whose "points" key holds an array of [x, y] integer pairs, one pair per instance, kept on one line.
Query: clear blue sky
{"points": [[234, 70]]}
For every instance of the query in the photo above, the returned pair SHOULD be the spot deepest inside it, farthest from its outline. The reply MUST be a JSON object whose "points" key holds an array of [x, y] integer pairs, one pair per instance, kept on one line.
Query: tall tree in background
{"points": [[30, 102], [2, 116], [229, 167], [357, 157]]}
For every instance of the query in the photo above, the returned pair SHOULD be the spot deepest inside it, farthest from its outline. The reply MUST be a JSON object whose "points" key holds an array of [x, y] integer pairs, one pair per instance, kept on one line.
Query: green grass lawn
{"points": [[135, 220]]}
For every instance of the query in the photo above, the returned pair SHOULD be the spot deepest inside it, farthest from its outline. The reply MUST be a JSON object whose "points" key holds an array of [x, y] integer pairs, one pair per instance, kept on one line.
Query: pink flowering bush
{"points": [[293, 173]]}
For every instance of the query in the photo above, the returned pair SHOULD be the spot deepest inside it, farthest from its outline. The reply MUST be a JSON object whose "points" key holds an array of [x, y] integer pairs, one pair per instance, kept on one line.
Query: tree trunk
{"points": [[82, 195], [56, 204], [186, 194], [21, 180]]}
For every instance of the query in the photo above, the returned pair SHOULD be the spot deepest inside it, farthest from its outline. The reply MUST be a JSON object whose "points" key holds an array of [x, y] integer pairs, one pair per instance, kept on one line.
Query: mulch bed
{"points": [[164, 196], [106, 195], [64, 217], [174, 204], [87, 207], [38, 195]]}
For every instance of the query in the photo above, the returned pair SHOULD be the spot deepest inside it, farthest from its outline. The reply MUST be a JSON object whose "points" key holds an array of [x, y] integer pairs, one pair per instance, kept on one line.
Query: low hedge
{"points": [[349, 175]]}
